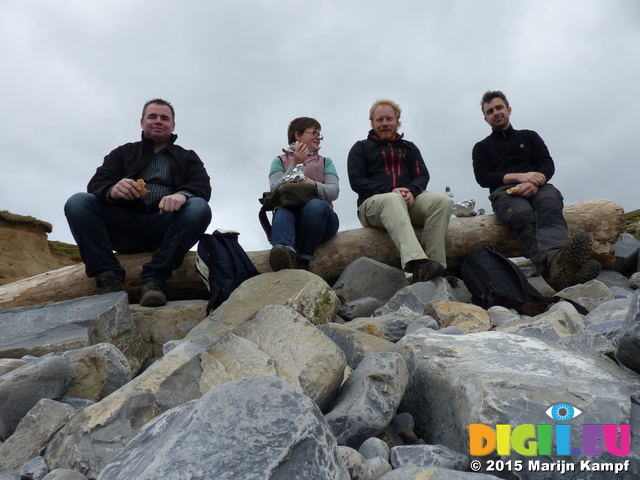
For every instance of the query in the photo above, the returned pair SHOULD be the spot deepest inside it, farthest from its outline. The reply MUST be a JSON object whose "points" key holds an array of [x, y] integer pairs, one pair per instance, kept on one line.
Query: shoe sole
{"points": [[280, 259], [574, 255], [589, 271], [153, 299]]}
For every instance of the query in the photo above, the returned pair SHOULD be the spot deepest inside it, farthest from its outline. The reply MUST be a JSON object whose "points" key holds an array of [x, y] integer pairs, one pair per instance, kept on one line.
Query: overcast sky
{"points": [[75, 75]]}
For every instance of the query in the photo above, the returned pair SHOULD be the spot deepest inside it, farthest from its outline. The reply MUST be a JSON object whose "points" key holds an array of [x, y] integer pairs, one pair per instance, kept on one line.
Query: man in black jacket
{"points": [[390, 178], [515, 165], [148, 196]]}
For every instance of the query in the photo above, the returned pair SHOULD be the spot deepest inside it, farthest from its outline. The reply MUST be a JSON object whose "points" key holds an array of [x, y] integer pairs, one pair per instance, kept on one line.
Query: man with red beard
{"points": [[390, 177], [516, 165]]}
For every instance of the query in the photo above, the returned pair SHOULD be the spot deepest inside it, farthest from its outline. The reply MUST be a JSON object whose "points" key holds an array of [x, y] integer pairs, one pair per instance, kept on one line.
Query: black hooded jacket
{"points": [[376, 166], [129, 160]]}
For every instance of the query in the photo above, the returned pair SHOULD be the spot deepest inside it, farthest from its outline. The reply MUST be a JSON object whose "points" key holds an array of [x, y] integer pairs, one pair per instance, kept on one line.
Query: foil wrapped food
{"points": [[295, 173], [466, 208]]}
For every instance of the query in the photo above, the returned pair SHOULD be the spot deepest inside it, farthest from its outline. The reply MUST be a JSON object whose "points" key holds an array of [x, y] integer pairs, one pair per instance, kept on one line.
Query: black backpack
{"points": [[223, 265], [493, 279]]}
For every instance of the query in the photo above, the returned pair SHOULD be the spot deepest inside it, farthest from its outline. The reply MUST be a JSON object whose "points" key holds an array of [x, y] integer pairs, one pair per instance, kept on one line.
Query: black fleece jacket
{"points": [[376, 166], [510, 151], [128, 161]]}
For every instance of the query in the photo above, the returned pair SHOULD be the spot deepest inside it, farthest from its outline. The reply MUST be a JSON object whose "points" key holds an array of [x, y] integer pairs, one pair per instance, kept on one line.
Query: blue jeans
{"points": [[303, 228], [99, 229]]}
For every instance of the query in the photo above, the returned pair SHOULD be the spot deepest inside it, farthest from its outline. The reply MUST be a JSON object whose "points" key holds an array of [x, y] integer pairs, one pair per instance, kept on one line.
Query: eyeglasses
{"points": [[316, 134]]}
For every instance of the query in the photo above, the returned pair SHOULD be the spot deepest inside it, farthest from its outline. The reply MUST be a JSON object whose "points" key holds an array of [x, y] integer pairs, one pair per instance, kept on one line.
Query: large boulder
{"points": [[255, 427]]}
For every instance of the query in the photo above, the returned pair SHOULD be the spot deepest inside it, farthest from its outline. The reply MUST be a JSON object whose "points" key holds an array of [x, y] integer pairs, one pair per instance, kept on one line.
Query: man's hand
{"points": [[527, 189], [535, 178], [172, 203], [406, 194], [125, 189]]}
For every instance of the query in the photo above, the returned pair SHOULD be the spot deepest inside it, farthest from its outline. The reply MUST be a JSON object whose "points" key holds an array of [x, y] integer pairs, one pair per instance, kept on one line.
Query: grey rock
{"points": [[628, 349], [451, 330], [607, 318], [9, 364], [35, 469], [59, 327], [501, 316], [626, 250], [388, 327], [612, 279], [8, 474], [278, 341], [355, 344], [378, 466], [589, 295], [634, 280], [306, 293], [413, 299], [550, 326], [369, 398], [374, 447], [361, 307], [356, 464], [366, 277], [428, 456], [619, 292], [255, 427], [425, 321], [64, 474], [590, 343], [22, 388], [34, 432], [100, 370], [173, 321], [517, 378], [434, 473]]}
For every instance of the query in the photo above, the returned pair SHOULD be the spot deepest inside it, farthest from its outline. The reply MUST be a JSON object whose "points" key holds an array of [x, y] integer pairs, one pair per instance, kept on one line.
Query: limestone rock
{"points": [[469, 318], [550, 326], [63, 326], [366, 277], [34, 432], [412, 300], [303, 291], [518, 379], [101, 369], [428, 456], [608, 317], [64, 474], [628, 349], [354, 343], [216, 437], [388, 327], [369, 398], [21, 389], [589, 295], [626, 250], [173, 321]]}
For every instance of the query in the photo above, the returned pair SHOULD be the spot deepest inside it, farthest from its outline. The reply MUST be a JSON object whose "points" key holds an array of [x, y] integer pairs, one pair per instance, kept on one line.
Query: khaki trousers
{"points": [[432, 210]]}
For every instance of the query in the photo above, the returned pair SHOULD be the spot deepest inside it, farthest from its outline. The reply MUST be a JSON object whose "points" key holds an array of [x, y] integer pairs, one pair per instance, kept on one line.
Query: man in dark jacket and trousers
{"points": [[118, 214], [390, 177], [516, 166]]}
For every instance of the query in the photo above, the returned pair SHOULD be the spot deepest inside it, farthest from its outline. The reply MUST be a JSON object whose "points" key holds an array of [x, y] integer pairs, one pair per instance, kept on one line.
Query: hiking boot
{"points": [[589, 271], [571, 258], [110, 282], [304, 264], [151, 295], [425, 270], [282, 257]]}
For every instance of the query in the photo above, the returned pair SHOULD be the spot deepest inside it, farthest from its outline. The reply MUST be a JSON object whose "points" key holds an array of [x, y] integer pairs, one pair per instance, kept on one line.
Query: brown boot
{"points": [[572, 257]]}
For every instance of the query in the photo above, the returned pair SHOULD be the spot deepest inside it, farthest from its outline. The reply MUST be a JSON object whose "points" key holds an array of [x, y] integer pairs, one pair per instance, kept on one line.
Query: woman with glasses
{"points": [[297, 232]]}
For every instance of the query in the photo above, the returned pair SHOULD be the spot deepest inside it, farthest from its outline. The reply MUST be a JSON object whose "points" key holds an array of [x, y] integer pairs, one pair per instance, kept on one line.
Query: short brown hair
{"points": [[160, 101], [385, 101], [490, 95], [299, 125]]}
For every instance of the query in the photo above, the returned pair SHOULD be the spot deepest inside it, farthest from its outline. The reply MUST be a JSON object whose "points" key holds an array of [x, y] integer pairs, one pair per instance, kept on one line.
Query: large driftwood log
{"points": [[603, 219]]}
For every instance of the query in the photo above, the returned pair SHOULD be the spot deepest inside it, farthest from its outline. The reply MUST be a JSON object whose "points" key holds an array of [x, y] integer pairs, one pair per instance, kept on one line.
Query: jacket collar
{"points": [[372, 136], [148, 143], [502, 133]]}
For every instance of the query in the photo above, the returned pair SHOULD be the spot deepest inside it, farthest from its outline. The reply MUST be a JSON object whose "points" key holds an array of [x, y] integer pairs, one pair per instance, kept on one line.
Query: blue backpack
{"points": [[223, 265]]}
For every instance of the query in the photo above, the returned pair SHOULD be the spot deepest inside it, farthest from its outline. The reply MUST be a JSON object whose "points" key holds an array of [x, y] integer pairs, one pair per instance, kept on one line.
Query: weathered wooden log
{"points": [[603, 219]]}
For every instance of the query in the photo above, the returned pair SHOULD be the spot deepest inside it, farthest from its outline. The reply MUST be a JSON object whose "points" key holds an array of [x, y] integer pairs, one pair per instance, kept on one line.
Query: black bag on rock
{"points": [[289, 194], [223, 265], [493, 279]]}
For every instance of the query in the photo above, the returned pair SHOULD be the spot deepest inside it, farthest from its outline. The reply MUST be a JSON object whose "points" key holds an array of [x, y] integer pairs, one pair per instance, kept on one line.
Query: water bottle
{"points": [[447, 190]]}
